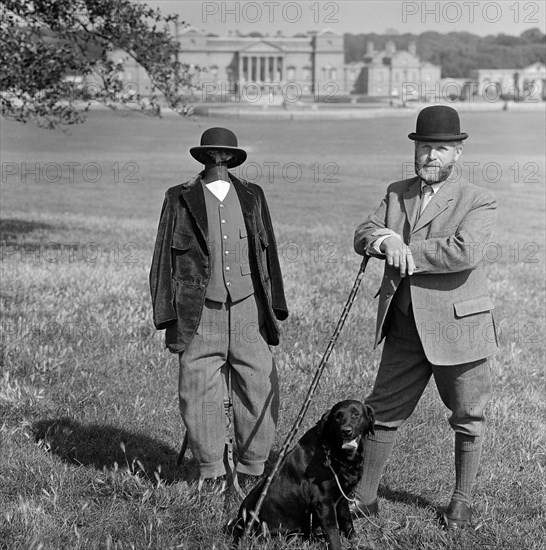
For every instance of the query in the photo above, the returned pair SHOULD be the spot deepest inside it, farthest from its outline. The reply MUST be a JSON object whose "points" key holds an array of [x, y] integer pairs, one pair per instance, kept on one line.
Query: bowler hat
{"points": [[218, 139], [438, 123]]}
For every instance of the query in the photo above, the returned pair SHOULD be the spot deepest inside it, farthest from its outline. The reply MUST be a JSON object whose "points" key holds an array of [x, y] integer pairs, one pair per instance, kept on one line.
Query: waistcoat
{"points": [[228, 248]]}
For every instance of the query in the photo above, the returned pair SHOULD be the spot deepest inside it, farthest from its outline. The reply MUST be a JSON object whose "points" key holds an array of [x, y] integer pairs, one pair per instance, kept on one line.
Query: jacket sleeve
{"points": [[464, 249], [277, 287], [161, 285], [370, 230]]}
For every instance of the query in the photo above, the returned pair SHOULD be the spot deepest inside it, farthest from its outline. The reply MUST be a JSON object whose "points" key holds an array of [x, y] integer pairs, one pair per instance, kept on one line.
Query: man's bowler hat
{"points": [[438, 123], [218, 139]]}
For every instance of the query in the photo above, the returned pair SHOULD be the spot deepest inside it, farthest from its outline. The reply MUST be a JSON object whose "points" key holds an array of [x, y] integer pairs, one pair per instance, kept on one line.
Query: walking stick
{"points": [[320, 369]]}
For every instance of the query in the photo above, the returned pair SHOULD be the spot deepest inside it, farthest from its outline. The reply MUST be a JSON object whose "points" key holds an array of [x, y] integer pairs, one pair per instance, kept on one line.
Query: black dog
{"points": [[305, 491]]}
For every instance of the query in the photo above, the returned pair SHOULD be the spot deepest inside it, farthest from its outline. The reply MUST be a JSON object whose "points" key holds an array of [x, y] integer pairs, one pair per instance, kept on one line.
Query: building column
{"points": [[270, 69], [263, 76], [245, 73]]}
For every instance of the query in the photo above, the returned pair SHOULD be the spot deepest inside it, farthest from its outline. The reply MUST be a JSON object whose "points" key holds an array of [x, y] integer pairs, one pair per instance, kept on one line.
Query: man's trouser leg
{"points": [[201, 389], [403, 374], [465, 390], [254, 384]]}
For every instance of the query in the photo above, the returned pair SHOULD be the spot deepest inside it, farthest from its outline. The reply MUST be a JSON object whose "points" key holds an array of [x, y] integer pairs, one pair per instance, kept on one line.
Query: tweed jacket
{"points": [[181, 269], [450, 299]]}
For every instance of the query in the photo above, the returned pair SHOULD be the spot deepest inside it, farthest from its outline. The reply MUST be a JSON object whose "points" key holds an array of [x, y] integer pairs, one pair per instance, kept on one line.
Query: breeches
{"points": [[229, 337], [404, 372]]}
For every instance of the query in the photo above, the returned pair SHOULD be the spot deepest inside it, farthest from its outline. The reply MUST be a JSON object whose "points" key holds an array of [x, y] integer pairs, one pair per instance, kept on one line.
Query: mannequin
{"points": [[216, 176], [217, 168], [205, 300]]}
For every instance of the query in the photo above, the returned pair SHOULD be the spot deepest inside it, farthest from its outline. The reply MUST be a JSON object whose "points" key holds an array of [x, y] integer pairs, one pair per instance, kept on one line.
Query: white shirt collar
{"points": [[435, 186]]}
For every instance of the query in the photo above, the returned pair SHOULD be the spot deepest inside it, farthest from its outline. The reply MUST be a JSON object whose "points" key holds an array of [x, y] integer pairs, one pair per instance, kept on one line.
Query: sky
{"points": [[359, 16]]}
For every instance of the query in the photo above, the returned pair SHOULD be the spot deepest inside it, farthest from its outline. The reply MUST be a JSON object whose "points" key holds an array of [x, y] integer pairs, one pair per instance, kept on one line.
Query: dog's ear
{"points": [[323, 420], [368, 411]]}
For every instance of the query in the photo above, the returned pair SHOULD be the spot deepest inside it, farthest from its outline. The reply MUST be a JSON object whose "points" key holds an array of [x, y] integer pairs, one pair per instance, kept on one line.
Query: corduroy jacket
{"points": [[181, 270]]}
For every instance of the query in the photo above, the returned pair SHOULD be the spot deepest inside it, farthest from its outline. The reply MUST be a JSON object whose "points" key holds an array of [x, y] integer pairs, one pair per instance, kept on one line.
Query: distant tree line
{"points": [[459, 53]]}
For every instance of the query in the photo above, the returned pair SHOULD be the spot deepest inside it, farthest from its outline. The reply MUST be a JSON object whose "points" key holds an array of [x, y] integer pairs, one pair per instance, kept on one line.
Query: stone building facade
{"points": [[394, 73], [248, 65], [312, 65], [526, 84]]}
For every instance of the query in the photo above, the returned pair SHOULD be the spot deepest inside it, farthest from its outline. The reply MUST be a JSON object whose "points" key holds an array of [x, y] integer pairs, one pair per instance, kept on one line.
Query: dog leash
{"points": [[328, 464], [310, 393], [350, 500]]}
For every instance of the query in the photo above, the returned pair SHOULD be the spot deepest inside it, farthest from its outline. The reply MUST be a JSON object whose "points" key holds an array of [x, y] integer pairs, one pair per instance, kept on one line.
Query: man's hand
{"points": [[398, 254]]}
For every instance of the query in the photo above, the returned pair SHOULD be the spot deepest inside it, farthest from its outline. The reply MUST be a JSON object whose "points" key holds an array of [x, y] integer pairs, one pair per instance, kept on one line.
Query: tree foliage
{"points": [[45, 42], [459, 53]]}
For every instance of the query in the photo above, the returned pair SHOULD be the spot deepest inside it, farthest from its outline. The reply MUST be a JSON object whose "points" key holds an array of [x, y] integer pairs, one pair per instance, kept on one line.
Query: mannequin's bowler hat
{"points": [[218, 139]]}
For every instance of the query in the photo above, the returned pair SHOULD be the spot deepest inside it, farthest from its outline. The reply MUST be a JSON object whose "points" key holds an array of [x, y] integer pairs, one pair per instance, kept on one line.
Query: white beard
{"points": [[433, 174]]}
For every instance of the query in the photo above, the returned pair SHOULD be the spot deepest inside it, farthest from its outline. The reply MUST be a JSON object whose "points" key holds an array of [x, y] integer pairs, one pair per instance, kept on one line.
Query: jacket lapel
{"points": [[247, 199], [192, 194], [411, 201], [439, 202]]}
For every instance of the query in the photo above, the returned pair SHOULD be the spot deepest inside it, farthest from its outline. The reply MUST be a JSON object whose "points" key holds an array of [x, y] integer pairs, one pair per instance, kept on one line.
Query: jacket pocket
{"points": [[443, 233], [471, 307], [181, 241], [245, 269]]}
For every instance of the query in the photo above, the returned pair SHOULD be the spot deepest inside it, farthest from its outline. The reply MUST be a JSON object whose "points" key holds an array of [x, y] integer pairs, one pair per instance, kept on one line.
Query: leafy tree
{"points": [[46, 42]]}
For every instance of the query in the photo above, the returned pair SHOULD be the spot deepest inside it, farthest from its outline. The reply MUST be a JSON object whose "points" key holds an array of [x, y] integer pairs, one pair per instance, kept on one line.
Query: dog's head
{"points": [[344, 426]]}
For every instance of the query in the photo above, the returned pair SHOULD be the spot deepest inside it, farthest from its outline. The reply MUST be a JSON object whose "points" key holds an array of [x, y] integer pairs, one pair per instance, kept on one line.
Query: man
{"points": [[217, 290], [434, 308]]}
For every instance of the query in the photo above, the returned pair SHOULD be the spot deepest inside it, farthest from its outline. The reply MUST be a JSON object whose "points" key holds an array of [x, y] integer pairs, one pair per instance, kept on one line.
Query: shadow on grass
{"points": [[12, 229], [405, 497], [102, 446]]}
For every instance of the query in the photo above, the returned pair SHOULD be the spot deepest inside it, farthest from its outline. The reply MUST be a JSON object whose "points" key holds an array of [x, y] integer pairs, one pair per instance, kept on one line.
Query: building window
{"points": [[291, 73], [307, 73], [213, 71]]}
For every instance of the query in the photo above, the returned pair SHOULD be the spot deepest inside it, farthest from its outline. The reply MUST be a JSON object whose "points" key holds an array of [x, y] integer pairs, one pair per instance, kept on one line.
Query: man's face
{"points": [[218, 157], [435, 159]]}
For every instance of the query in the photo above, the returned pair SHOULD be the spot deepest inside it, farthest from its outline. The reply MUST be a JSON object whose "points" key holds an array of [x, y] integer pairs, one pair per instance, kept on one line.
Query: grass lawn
{"points": [[89, 423]]}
